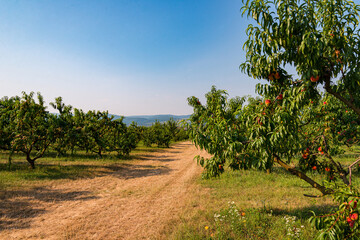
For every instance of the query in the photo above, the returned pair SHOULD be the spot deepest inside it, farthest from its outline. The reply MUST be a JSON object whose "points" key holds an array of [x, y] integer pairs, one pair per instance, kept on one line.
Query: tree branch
{"points": [[302, 176], [348, 103]]}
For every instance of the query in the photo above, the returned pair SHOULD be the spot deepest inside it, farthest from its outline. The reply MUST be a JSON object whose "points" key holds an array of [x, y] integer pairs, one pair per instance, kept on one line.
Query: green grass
{"points": [[72, 166], [266, 200]]}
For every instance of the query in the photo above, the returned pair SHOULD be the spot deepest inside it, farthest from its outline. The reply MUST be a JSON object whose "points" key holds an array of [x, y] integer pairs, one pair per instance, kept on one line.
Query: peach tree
{"points": [[7, 113], [301, 115], [283, 126], [320, 40], [158, 133], [213, 127], [64, 124], [32, 127], [267, 131]]}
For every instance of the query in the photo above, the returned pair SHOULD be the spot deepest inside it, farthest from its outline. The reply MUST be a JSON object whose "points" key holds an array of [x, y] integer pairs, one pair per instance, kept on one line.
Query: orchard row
{"points": [[27, 127]]}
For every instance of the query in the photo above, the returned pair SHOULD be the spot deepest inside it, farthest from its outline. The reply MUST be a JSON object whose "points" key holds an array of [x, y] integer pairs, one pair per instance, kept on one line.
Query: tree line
{"points": [[27, 127]]}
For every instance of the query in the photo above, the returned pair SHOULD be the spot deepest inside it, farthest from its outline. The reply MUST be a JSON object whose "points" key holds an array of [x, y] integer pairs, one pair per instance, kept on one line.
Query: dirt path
{"points": [[136, 202]]}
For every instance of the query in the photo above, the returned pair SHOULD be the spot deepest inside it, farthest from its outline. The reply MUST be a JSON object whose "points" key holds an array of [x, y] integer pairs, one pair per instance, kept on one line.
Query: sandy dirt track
{"points": [[136, 201]]}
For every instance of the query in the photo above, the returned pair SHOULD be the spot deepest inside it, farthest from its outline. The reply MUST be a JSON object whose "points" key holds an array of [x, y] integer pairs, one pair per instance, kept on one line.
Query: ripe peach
{"points": [[271, 77], [277, 76], [354, 216], [280, 97], [314, 79], [348, 220], [267, 102], [337, 53]]}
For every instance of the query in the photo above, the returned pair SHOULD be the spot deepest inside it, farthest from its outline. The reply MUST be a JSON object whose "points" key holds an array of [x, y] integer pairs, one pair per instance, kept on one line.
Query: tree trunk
{"points": [[10, 159], [303, 176], [31, 161]]}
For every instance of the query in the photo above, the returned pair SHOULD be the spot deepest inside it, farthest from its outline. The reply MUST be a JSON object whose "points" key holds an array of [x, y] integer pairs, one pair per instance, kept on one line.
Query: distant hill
{"points": [[148, 120]]}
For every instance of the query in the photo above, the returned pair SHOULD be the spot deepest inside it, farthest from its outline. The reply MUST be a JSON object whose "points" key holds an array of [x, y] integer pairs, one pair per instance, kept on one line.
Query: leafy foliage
{"points": [[26, 126], [319, 38], [32, 126], [162, 133], [293, 119], [342, 223]]}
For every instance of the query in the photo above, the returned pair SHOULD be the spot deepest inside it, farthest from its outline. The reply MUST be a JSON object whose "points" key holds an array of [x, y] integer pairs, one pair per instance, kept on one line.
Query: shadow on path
{"points": [[18, 207]]}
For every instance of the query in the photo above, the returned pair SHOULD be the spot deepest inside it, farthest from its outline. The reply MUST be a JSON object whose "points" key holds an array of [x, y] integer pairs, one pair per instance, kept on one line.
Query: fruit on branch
{"points": [[306, 153], [280, 97], [314, 167], [267, 102], [350, 222], [337, 53], [314, 79], [271, 77], [354, 216], [277, 76]]}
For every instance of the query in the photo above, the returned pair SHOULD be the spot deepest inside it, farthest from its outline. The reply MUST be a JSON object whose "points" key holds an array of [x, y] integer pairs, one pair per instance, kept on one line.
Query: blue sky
{"points": [[130, 57]]}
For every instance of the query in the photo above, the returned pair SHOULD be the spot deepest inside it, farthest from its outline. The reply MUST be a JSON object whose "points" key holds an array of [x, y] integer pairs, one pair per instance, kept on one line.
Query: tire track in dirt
{"points": [[136, 202]]}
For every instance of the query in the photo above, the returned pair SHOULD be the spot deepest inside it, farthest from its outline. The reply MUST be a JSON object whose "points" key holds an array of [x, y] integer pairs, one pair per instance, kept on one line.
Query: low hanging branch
{"points": [[303, 176]]}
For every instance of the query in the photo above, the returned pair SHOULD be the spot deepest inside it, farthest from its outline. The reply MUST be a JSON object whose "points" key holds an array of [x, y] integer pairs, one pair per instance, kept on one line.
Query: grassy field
{"points": [[238, 205], [255, 205], [51, 167]]}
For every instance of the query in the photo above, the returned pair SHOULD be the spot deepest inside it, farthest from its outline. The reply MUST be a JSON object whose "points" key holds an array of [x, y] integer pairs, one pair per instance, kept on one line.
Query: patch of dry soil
{"points": [[134, 202]]}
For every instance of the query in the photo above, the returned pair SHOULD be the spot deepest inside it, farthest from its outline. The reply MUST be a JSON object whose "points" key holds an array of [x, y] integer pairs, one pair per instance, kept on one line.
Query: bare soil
{"points": [[135, 201]]}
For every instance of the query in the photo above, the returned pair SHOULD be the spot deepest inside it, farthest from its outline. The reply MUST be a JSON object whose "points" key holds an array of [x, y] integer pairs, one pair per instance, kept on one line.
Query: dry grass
{"points": [[138, 200], [156, 194]]}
